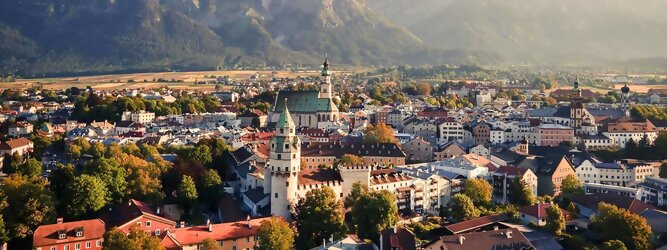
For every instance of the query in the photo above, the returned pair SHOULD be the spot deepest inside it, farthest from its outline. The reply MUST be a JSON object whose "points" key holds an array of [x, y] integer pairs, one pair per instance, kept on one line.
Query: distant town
{"points": [[399, 158]]}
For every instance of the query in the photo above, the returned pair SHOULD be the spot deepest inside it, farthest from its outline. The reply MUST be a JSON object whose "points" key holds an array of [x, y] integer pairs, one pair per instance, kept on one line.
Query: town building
{"points": [[653, 191], [554, 134], [623, 131], [232, 235], [140, 117], [537, 214], [75, 235], [624, 173], [19, 129], [504, 179]]}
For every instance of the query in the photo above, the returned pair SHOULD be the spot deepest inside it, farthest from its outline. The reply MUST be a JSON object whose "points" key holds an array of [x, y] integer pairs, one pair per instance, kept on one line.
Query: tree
{"points": [[555, 219], [613, 223], [380, 133], [613, 245], [423, 88], [348, 160], [136, 239], [478, 190], [373, 212], [31, 168], [571, 186], [463, 208], [211, 187], [275, 234], [110, 172], [201, 153], [318, 216], [89, 195], [187, 193], [358, 190], [210, 244], [29, 205], [663, 170], [521, 194], [4, 236]]}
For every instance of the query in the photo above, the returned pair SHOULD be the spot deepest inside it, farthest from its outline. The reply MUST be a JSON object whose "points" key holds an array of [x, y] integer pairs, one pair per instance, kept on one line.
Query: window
{"points": [[247, 239], [157, 232], [276, 195], [88, 245], [139, 223], [66, 247], [52, 248], [148, 223], [98, 243], [77, 246]]}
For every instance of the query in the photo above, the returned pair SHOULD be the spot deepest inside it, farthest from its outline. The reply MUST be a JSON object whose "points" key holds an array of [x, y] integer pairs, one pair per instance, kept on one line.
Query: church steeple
{"points": [[285, 122], [325, 85]]}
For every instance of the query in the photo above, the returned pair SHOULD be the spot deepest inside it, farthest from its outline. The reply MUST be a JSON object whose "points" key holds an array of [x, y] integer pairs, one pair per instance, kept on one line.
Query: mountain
{"points": [[93, 36], [537, 32]]}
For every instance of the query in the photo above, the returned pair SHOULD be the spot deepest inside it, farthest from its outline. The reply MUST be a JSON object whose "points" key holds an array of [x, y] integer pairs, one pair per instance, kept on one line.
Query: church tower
{"points": [[284, 166], [576, 107], [325, 85], [625, 99]]}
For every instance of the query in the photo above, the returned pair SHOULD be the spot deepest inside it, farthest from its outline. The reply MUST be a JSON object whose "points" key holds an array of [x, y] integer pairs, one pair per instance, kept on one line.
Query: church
{"points": [[309, 109]]}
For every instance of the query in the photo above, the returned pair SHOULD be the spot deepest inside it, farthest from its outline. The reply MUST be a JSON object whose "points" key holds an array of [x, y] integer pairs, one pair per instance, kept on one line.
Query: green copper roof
{"points": [[303, 102], [285, 120]]}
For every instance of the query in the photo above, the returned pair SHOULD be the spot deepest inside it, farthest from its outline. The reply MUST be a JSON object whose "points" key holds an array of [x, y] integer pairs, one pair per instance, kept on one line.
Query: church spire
{"points": [[325, 66], [285, 120]]}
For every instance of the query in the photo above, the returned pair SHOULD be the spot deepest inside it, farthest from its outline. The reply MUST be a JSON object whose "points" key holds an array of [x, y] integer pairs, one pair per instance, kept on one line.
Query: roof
{"points": [[302, 102], [46, 235], [469, 225], [338, 149], [511, 171], [128, 211], [285, 120], [505, 239], [318, 175], [657, 219], [538, 210], [620, 127], [384, 176], [562, 112], [398, 239], [224, 231], [592, 200], [15, 143]]}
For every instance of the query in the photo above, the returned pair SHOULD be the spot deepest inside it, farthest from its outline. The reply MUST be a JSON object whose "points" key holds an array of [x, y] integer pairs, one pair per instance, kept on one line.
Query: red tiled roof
{"points": [[259, 136], [219, 232], [15, 143], [484, 240], [317, 176], [402, 239], [539, 210], [126, 212], [476, 223], [47, 235]]}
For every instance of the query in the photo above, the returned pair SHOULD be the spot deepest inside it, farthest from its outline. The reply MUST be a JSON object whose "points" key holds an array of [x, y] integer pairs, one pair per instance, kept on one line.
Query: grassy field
{"points": [[120, 81]]}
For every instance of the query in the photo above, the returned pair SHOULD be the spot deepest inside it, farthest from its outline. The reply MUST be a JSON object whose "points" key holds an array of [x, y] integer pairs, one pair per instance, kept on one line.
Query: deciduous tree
{"points": [[275, 234], [463, 208], [374, 212], [318, 216], [613, 223], [521, 194], [187, 193], [380, 133], [29, 205], [89, 195], [478, 190], [210, 244], [136, 239], [555, 219], [571, 186]]}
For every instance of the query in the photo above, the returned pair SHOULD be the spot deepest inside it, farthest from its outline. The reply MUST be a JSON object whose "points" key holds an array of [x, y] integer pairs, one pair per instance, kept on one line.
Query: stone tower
{"points": [[284, 166], [325, 85], [353, 174]]}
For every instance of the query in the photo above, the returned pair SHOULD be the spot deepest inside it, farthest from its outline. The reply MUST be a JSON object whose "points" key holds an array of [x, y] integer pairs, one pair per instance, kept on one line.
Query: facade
{"points": [[138, 213], [505, 177], [19, 129], [622, 132], [554, 134], [624, 173], [395, 118], [550, 172], [423, 128], [653, 191], [449, 130], [75, 235], [325, 154], [482, 133], [21, 146], [449, 150], [140, 117], [537, 214], [418, 150], [593, 188], [312, 109]]}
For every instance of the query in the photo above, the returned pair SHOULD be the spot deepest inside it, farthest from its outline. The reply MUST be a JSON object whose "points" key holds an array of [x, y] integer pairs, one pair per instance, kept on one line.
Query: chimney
{"points": [[158, 210], [182, 224], [210, 226], [509, 234], [495, 228], [248, 219], [461, 239], [59, 220], [395, 230]]}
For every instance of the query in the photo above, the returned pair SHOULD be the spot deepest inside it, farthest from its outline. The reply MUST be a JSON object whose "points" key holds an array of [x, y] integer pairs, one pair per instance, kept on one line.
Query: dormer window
{"points": [[62, 234], [79, 231]]}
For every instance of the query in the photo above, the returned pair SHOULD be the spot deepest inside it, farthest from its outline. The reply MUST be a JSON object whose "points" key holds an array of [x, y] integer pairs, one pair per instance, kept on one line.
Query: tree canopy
{"points": [[373, 212], [380, 133], [136, 239], [613, 223], [463, 208], [275, 234], [318, 216], [555, 219], [571, 186], [478, 190]]}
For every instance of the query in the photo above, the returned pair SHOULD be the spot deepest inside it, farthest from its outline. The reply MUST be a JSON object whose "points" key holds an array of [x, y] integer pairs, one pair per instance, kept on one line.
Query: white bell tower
{"points": [[284, 167], [325, 85]]}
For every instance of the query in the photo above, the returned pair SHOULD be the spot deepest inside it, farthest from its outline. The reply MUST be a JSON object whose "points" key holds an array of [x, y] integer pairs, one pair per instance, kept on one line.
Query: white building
{"points": [[625, 173], [140, 117]]}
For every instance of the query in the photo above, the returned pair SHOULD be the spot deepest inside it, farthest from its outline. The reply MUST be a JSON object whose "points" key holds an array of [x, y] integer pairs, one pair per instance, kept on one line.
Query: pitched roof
{"points": [[398, 239], [126, 212], [593, 200], [317, 176], [505, 239], [302, 102], [539, 210], [15, 143], [285, 120], [468, 225], [337, 149], [46, 235], [225, 231], [631, 127]]}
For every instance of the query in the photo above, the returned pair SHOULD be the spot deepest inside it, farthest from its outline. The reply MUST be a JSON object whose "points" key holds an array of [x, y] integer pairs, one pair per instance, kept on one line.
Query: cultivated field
{"points": [[185, 80]]}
